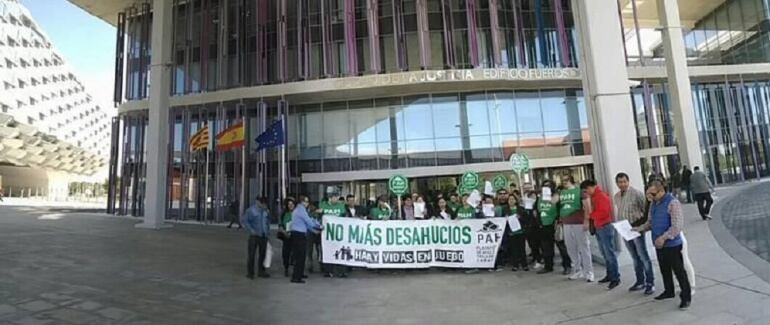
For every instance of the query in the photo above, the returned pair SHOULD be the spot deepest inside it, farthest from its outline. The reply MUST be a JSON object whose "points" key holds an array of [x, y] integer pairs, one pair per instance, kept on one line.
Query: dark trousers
{"points": [[670, 261], [256, 242], [546, 243], [286, 253], [505, 248], [299, 249], [518, 250], [533, 240], [704, 198], [566, 261], [313, 245], [689, 192]]}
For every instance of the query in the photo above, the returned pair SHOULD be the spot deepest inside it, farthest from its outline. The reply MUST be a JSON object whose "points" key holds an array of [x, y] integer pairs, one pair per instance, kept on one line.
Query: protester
{"points": [[465, 211], [547, 214], [313, 240], [488, 208], [300, 225], [443, 211], [666, 222], [235, 214], [518, 246], [686, 182], [532, 224], [701, 188], [454, 202], [332, 207], [283, 234], [257, 222], [352, 210], [407, 209], [601, 218], [382, 211], [421, 208], [570, 200], [631, 205]]}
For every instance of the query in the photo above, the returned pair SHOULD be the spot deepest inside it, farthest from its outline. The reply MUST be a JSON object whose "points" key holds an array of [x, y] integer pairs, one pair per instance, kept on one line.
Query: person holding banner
{"points": [[572, 216], [443, 211], [352, 210], [407, 209], [465, 211], [382, 211], [332, 207], [301, 223], [284, 225], [454, 202]]}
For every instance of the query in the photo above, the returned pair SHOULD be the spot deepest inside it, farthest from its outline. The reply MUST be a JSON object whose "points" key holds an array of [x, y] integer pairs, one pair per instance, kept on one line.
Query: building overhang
{"points": [[24, 145], [106, 10]]}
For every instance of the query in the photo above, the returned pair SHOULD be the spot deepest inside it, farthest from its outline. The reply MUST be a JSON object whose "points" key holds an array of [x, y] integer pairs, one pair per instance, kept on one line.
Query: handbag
{"points": [[558, 234], [268, 256], [591, 227]]}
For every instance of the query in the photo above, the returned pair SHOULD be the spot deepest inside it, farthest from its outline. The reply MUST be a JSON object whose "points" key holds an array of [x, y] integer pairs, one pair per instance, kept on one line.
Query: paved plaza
{"points": [[59, 266]]}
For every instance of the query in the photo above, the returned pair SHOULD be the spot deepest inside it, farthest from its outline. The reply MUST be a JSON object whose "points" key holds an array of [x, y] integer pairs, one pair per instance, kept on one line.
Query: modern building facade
{"points": [[51, 130], [429, 89]]}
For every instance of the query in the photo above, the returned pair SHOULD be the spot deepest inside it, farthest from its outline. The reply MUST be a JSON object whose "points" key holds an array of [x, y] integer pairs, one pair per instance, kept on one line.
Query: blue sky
{"points": [[86, 42]]}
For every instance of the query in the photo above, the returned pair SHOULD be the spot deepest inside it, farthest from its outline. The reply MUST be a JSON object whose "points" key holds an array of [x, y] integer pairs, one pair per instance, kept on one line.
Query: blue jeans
{"points": [[606, 238], [637, 248]]}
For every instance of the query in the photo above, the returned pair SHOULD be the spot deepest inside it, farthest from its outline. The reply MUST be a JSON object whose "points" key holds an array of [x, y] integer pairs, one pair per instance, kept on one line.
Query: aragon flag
{"points": [[231, 137], [200, 140]]}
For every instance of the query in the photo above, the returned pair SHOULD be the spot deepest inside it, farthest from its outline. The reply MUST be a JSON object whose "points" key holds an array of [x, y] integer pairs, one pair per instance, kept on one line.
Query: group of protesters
{"points": [[552, 217]]}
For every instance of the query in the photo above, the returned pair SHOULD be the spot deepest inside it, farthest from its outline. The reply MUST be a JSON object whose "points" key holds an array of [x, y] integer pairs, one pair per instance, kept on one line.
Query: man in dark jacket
{"points": [[352, 210]]}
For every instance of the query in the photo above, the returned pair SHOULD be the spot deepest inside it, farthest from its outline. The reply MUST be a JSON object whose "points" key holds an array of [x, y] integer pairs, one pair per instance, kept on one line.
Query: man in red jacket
{"points": [[601, 216]]}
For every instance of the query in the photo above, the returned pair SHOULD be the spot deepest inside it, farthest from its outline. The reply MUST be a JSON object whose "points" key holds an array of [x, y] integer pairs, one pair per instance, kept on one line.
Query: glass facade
{"points": [[438, 130], [735, 32], [222, 44]]}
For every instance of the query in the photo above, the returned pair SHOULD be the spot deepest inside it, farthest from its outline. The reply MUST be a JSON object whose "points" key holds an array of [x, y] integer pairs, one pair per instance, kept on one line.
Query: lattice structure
{"points": [[47, 119]]}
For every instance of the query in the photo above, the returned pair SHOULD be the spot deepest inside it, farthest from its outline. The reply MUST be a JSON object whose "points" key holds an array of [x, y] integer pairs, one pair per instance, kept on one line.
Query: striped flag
{"points": [[200, 140], [231, 137]]}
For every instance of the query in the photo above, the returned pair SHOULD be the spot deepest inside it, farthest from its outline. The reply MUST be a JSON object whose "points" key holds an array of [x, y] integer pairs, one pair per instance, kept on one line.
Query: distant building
{"points": [[51, 130]]}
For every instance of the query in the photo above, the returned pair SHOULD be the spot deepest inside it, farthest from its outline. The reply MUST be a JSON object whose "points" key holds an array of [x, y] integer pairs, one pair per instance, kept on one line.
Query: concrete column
{"points": [[606, 88], [679, 92], [157, 133]]}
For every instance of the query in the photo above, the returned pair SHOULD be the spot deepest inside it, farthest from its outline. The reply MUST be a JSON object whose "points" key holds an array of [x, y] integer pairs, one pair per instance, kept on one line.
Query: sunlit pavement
{"points": [[63, 267]]}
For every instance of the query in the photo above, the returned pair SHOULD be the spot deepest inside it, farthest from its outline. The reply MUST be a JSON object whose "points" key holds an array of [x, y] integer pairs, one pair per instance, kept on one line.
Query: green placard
{"points": [[470, 181], [398, 184], [519, 163], [500, 182]]}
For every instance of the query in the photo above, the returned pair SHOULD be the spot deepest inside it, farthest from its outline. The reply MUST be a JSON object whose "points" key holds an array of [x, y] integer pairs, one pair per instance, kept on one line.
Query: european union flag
{"points": [[272, 137]]}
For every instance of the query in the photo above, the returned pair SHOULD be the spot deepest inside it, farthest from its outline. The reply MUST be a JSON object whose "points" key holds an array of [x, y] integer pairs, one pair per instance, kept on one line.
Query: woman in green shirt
{"points": [[517, 240], [382, 211], [285, 225]]}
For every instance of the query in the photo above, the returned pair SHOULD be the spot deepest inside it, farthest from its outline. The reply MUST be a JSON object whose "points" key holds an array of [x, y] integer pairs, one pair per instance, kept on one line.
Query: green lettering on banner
{"points": [[408, 236], [466, 235], [456, 231], [434, 235], [390, 236], [330, 231], [377, 236], [444, 235], [354, 234], [399, 233], [368, 237], [425, 235]]}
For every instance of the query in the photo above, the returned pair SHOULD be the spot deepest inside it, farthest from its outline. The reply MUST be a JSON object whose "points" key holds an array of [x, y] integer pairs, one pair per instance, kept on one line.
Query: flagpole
{"points": [[206, 184], [283, 150], [244, 151]]}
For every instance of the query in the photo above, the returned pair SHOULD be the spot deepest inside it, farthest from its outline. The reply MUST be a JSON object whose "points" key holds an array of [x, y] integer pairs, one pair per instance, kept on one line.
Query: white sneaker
{"points": [[589, 277], [576, 275], [538, 266]]}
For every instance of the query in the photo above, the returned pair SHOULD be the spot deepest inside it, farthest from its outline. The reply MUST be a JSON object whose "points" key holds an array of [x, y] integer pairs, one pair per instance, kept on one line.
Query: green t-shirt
{"points": [[335, 210], [454, 206], [379, 214], [286, 220], [548, 212], [466, 212], [570, 202]]}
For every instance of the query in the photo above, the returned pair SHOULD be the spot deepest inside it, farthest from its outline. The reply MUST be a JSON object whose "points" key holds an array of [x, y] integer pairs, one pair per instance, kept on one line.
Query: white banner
{"points": [[469, 243]]}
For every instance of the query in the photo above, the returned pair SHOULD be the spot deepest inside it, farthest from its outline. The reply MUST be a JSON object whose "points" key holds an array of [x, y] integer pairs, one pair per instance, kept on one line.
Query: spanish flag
{"points": [[231, 137], [200, 140]]}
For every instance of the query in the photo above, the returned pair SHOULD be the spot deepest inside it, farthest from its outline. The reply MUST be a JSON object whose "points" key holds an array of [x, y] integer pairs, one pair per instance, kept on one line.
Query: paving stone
{"points": [[32, 321], [36, 305], [115, 313], [87, 305], [7, 309], [71, 316]]}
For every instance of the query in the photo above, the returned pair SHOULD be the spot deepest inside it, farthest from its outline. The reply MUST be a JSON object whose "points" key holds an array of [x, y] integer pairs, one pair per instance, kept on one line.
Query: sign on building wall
{"points": [[489, 74]]}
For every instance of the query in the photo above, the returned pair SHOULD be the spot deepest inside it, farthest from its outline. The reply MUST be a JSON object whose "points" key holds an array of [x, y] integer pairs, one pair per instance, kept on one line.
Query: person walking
{"points": [[701, 189], [257, 222], [686, 181], [234, 213], [301, 223], [573, 217], [601, 217], [284, 225], [666, 222], [631, 205]]}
